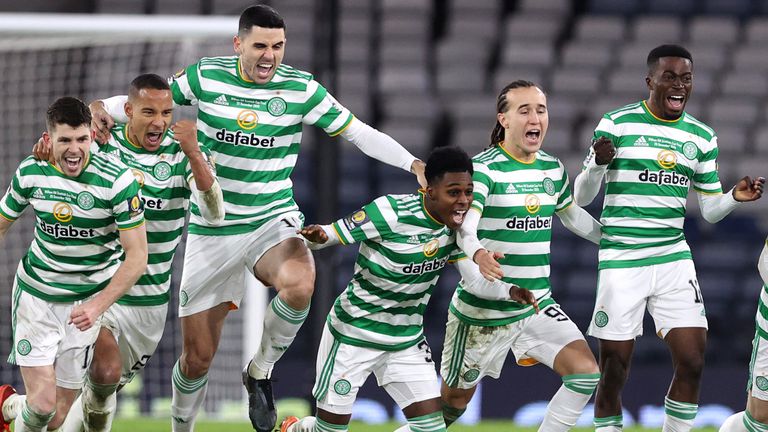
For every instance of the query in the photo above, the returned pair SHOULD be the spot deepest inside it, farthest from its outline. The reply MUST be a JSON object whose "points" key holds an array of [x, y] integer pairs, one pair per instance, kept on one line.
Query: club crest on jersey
{"points": [[762, 383], [247, 119], [356, 219], [667, 159], [690, 150], [162, 171], [139, 176], [85, 200], [431, 248], [549, 186], [62, 212], [532, 204], [135, 205], [277, 106], [23, 347]]}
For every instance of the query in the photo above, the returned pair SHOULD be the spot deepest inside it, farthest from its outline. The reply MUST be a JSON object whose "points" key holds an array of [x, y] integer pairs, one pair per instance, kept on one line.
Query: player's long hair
{"points": [[497, 135]]}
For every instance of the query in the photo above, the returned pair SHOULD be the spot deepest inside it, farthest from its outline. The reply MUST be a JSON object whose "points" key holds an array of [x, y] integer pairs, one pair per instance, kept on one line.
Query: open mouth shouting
{"points": [[153, 139], [533, 136], [264, 70], [676, 103], [457, 217], [72, 163]]}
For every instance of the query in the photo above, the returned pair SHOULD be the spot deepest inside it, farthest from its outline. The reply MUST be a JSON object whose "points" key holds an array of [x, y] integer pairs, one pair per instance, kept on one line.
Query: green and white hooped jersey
{"points": [[647, 184], [76, 247], [402, 251], [762, 308], [254, 132], [517, 201], [163, 177]]}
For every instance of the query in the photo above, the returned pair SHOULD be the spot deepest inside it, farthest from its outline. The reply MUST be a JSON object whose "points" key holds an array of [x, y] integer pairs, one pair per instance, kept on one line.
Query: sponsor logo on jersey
{"points": [[139, 176], [356, 219], [277, 106], [151, 203], [85, 200], [414, 239], [426, 266], [240, 138], [529, 223], [58, 230], [162, 171], [38, 194], [549, 186], [135, 205], [247, 119], [511, 189], [62, 212], [532, 204], [431, 248], [690, 150], [667, 159], [221, 100], [641, 142], [663, 178]]}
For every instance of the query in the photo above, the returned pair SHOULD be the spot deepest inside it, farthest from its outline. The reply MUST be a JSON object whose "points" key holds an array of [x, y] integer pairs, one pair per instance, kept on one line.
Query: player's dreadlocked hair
{"points": [[69, 111], [259, 15], [497, 136], [444, 160]]}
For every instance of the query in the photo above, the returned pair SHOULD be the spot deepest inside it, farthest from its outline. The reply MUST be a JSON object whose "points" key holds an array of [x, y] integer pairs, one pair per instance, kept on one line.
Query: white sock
{"points": [[31, 421], [12, 406], [73, 422], [734, 423], [609, 424], [188, 397], [281, 323], [99, 403], [678, 416], [749, 423], [404, 428], [566, 406], [306, 424]]}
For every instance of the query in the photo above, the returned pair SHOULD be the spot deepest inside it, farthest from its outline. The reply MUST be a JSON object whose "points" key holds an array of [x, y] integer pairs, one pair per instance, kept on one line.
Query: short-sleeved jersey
{"points": [[163, 176], [253, 131], [402, 251], [76, 247], [647, 184], [517, 201]]}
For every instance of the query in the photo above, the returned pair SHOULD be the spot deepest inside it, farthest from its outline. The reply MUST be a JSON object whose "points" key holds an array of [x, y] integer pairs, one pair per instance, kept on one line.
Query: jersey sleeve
{"points": [[127, 205], [482, 183], [324, 111], [705, 177], [368, 223], [564, 196], [16, 198], [185, 85], [605, 128]]}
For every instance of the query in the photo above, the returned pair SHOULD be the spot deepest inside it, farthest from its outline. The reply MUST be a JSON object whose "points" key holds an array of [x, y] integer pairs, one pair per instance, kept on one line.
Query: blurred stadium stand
{"points": [[427, 72]]}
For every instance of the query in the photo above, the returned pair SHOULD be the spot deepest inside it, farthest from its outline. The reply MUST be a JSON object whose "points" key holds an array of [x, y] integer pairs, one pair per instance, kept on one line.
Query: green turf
{"points": [[163, 425]]}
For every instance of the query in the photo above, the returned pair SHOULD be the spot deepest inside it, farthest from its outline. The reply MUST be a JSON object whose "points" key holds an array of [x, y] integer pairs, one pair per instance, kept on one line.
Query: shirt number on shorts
{"points": [[423, 345], [696, 291], [556, 313], [139, 365], [88, 351]]}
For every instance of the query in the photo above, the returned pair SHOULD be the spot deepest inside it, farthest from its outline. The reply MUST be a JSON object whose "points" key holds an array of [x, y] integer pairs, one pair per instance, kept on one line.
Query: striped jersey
{"points": [[647, 184], [761, 318], [253, 131], [76, 247], [516, 201], [163, 176], [402, 250]]}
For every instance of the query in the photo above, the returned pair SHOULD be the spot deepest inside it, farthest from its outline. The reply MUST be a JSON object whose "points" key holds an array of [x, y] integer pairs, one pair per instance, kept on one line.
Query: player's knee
{"points": [[297, 291], [456, 398], [57, 419], [105, 372], [690, 367], [195, 362]]}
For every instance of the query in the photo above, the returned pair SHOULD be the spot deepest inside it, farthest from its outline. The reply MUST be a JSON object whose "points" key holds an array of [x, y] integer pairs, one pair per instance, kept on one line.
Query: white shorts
{"points": [[43, 337], [472, 352], [758, 364], [670, 291], [408, 375], [137, 330], [215, 267]]}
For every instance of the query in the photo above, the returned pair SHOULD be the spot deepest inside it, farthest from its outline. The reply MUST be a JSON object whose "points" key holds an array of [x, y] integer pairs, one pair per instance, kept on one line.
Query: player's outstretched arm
{"points": [[5, 225], [587, 183], [714, 207], [319, 236], [134, 242], [384, 148], [104, 113], [581, 223], [203, 182], [466, 238]]}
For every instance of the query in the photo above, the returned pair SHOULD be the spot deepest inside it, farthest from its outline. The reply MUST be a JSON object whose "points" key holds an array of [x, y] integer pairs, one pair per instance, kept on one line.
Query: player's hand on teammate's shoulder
{"points": [[748, 189], [314, 233], [523, 296], [488, 262], [185, 132], [604, 151], [41, 150], [417, 168], [101, 121]]}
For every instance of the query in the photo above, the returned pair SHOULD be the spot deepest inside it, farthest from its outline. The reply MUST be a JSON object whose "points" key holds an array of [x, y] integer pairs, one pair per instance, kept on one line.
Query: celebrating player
{"points": [[518, 188], [250, 112], [650, 152], [376, 324], [90, 247]]}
